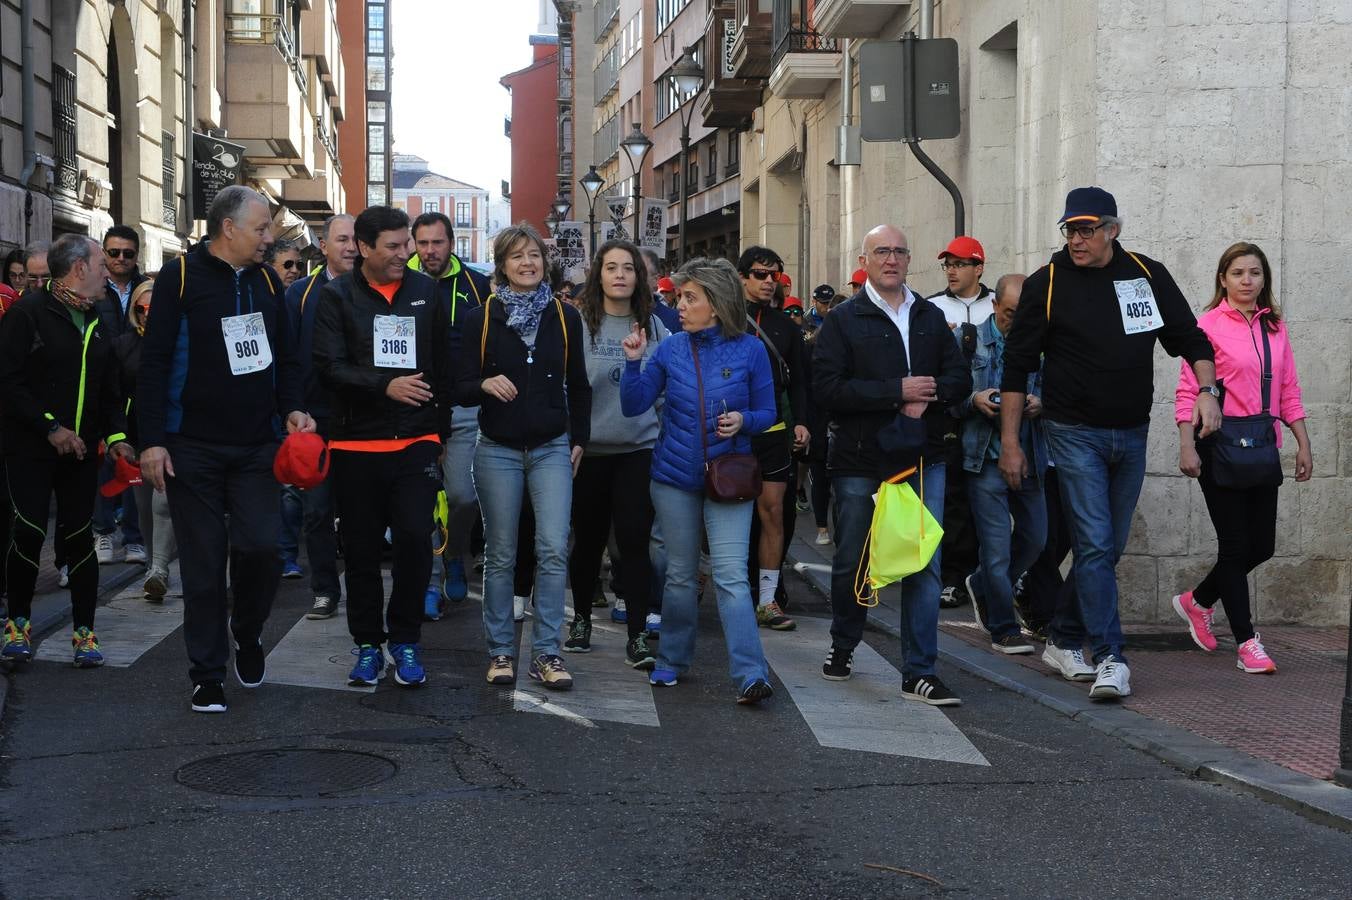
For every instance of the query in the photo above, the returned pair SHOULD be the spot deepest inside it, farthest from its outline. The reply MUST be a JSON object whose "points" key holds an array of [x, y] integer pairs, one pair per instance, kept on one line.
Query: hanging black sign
{"points": [[216, 164]]}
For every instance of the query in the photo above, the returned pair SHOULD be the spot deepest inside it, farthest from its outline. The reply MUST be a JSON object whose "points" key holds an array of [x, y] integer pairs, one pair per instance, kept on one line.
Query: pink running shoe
{"points": [[1254, 659], [1198, 619]]}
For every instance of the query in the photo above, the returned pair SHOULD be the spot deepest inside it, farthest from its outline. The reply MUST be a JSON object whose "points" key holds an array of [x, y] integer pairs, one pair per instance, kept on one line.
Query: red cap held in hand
{"points": [[302, 460], [125, 474]]}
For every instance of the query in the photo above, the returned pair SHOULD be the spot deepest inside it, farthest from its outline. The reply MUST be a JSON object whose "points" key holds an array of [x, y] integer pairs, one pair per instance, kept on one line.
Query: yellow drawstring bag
{"points": [[902, 540], [441, 515]]}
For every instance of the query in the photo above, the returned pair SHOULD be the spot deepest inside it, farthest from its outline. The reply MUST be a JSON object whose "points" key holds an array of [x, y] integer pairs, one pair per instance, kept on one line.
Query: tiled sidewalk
{"points": [[1290, 718]]}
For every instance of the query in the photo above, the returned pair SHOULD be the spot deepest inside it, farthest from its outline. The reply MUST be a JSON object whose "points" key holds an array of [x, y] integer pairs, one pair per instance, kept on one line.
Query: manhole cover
{"points": [[286, 773]]}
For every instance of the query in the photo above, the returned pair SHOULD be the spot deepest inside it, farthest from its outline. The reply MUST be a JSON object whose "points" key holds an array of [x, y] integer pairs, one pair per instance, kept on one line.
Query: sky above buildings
{"points": [[448, 104]]}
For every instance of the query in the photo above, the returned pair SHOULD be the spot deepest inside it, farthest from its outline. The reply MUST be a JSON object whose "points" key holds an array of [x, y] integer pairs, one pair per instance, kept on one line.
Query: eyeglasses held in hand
{"points": [[882, 253]]}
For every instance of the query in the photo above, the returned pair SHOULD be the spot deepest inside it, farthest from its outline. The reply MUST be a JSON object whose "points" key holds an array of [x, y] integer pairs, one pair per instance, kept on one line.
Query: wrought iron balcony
{"points": [[792, 32]]}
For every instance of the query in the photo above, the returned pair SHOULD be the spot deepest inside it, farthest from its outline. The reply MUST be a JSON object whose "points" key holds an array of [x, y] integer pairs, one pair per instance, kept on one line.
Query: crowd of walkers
{"points": [[388, 400]]}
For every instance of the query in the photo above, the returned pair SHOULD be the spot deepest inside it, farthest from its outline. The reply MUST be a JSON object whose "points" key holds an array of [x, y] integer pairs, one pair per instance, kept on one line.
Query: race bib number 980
{"points": [[395, 342], [1140, 313], [246, 343]]}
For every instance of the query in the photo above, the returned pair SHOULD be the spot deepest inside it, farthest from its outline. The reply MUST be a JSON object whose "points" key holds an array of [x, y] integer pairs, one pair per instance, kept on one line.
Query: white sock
{"points": [[769, 581]]}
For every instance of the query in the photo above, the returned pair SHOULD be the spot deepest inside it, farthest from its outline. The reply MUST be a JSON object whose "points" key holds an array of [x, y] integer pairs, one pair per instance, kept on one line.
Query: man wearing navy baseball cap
{"points": [[1092, 316]]}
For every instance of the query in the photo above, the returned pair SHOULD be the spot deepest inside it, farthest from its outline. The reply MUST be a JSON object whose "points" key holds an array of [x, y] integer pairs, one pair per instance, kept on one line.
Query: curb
{"points": [[51, 616], [1194, 755]]}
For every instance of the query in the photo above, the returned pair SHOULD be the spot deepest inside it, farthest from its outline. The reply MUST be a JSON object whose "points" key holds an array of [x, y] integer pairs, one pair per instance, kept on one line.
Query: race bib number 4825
{"points": [[246, 343], [1140, 313]]}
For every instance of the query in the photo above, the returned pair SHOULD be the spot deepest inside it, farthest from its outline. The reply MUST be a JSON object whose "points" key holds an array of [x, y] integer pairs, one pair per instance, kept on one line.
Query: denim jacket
{"points": [[978, 429]]}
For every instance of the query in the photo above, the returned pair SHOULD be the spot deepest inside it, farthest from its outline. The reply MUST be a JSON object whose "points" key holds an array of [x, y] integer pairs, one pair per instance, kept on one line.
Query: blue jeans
{"points": [[1100, 471], [919, 592], [502, 476], [293, 513], [1004, 557], [685, 516]]}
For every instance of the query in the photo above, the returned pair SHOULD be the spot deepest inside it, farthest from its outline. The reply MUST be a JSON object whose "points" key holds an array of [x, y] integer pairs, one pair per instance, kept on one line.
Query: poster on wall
{"points": [[654, 226], [216, 164]]}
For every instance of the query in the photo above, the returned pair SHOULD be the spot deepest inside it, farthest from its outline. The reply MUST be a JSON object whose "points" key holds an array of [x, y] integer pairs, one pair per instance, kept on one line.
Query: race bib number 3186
{"points": [[395, 342], [1139, 311]]}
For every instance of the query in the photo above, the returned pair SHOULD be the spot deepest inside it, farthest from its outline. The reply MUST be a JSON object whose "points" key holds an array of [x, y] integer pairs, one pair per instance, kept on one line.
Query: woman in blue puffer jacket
{"points": [[739, 400]]}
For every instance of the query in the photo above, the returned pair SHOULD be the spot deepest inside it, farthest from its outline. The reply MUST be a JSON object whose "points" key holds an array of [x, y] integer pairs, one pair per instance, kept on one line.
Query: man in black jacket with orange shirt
{"points": [[382, 347]]}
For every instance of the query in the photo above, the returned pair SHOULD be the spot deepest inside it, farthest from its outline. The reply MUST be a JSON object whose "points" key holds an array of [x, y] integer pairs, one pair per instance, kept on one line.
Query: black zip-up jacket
{"points": [[127, 366], [787, 338], [857, 371], [1095, 373], [54, 371], [185, 386], [549, 401], [344, 359], [116, 320], [302, 302]]}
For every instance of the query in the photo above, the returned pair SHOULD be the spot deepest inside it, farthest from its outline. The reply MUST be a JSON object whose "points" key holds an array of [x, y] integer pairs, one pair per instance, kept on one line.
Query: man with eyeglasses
{"points": [[35, 265], [884, 352], [121, 246], [966, 304], [1090, 318], [761, 269]]}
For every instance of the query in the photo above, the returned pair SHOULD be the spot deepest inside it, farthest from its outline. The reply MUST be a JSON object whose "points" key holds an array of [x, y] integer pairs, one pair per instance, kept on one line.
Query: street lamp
{"points": [[591, 185], [636, 145], [550, 221], [561, 205], [687, 76]]}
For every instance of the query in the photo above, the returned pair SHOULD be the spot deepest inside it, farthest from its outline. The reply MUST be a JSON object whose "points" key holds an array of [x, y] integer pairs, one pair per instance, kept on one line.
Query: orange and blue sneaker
{"points": [[16, 643], [87, 652]]}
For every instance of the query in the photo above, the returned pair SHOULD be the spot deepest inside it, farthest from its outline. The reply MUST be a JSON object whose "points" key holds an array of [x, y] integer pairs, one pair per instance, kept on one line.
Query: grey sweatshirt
{"points": [[611, 431]]}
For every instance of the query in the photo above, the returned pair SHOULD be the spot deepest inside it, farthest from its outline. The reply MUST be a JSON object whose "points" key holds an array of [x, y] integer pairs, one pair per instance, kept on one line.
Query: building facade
{"points": [[535, 128], [1208, 129], [418, 190]]}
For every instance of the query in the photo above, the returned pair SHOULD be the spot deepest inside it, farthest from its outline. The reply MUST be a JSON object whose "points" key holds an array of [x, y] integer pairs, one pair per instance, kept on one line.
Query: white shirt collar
{"points": [[886, 307]]}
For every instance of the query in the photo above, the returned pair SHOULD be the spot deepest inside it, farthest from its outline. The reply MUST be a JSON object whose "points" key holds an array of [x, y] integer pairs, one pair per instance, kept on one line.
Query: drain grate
{"points": [[286, 773]]}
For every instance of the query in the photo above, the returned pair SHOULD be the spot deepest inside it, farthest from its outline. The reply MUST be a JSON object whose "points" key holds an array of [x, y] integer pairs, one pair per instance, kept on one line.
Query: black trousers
{"points": [[211, 482], [321, 542], [1246, 537], [959, 545], [32, 482], [375, 491], [613, 490], [6, 527], [1043, 585]]}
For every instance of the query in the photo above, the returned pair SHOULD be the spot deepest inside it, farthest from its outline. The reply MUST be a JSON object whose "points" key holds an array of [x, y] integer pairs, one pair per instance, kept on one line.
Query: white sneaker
{"points": [[103, 548], [63, 576], [823, 538], [135, 554], [519, 607], [1070, 663], [653, 624], [1113, 681]]}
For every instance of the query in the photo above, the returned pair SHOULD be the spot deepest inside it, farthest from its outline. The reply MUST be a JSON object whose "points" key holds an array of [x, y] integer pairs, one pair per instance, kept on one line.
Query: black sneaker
{"points": [[755, 692], [579, 637], [929, 689], [638, 655], [208, 697], [952, 597], [324, 608], [839, 664], [250, 664], [1013, 644]]}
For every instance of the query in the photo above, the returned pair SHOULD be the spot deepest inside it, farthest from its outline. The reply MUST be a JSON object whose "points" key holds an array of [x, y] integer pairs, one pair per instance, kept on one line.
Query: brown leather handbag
{"points": [[732, 477]]}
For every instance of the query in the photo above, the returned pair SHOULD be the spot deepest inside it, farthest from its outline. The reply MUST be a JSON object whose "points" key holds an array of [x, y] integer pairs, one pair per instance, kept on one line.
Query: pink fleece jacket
{"points": [[1239, 366]]}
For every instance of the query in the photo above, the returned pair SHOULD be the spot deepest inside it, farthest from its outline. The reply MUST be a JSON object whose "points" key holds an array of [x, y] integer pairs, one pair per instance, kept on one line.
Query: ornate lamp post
{"points": [[688, 77], [592, 183], [636, 146]]}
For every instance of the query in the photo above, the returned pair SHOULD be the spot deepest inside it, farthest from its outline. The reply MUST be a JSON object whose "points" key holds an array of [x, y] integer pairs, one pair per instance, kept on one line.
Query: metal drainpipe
{"points": [[926, 19], [804, 216], [30, 134], [189, 88]]}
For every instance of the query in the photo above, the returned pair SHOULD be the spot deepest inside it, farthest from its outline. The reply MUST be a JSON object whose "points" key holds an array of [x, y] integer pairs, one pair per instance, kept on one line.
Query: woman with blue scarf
{"points": [[522, 364]]}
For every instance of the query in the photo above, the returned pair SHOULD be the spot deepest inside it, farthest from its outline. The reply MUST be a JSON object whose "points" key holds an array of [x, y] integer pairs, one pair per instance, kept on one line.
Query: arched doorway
{"points": [[124, 160]]}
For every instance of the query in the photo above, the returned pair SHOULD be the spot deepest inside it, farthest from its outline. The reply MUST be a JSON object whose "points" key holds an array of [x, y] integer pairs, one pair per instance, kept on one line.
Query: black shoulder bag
{"points": [[1244, 451]]}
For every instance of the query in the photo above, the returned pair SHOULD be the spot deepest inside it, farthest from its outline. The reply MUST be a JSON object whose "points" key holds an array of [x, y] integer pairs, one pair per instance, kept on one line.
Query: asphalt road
{"points": [[461, 795]]}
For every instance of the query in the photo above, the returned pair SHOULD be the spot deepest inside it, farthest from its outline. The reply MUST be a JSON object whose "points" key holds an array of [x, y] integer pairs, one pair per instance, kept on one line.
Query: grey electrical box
{"points": [[908, 90]]}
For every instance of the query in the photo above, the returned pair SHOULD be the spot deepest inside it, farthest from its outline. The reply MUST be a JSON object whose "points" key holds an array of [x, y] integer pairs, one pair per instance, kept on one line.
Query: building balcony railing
{"points": [[732, 168], [249, 27], [607, 79], [674, 194], [463, 223], [607, 14], [330, 145], [792, 32], [606, 142]]}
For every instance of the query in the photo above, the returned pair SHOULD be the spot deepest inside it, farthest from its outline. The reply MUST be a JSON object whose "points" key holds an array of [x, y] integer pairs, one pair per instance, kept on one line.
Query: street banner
{"points": [[216, 164], [654, 226], [614, 231], [572, 240], [618, 206]]}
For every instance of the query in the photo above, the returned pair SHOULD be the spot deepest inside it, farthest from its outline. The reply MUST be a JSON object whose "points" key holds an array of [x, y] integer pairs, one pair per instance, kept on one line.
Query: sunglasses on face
{"points": [[290, 264], [762, 274], [795, 312], [120, 253]]}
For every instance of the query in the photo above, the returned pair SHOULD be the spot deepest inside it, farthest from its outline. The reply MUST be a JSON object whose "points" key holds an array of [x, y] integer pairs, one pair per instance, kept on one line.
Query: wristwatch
{"points": [[1209, 389], [54, 427]]}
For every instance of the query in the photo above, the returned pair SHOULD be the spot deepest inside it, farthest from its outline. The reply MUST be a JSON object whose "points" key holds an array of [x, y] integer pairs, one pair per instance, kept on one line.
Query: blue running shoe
{"points": [[291, 569], [432, 604], [87, 652], [453, 584], [663, 677], [408, 667], [370, 666], [16, 643], [618, 612]]}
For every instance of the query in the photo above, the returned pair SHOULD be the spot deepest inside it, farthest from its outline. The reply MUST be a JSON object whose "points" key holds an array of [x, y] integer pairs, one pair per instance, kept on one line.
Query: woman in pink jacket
{"points": [[1245, 519]]}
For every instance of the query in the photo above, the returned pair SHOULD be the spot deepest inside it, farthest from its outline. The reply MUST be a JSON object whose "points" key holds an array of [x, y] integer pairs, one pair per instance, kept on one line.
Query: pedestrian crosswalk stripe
{"points": [[867, 712], [605, 688], [127, 626], [315, 653]]}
